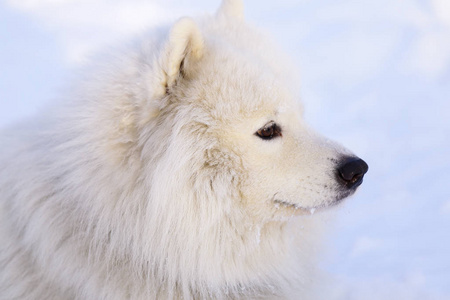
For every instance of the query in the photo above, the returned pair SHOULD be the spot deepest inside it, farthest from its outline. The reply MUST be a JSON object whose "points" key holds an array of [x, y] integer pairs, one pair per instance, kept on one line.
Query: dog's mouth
{"points": [[304, 209], [312, 209]]}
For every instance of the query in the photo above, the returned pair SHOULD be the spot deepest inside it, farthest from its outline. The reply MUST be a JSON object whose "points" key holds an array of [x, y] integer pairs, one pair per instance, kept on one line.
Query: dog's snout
{"points": [[351, 171]]}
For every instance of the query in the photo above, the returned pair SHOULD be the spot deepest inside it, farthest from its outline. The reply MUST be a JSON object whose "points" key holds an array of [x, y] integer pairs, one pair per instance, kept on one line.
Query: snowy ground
{"points": [[376, 77]]}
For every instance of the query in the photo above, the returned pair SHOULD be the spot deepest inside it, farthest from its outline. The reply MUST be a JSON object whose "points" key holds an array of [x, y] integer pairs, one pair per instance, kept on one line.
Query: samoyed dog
{"points": [[178, 168]]}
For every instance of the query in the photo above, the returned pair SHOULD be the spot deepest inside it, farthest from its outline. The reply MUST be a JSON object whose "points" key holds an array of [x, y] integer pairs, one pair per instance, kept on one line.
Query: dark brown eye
{"points": [[269, 131]]}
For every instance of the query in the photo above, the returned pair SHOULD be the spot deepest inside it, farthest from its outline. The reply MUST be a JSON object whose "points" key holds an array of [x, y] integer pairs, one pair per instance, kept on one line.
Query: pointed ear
{"points": [[183, 48], [232, 8]]}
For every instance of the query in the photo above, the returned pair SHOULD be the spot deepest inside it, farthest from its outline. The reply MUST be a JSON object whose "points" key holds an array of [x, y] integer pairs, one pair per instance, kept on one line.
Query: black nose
{"points": [[351, 171]]}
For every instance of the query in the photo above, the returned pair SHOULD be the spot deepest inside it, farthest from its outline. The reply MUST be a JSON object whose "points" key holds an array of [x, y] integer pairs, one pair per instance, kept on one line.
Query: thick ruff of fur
{"points": [[149, 182]]}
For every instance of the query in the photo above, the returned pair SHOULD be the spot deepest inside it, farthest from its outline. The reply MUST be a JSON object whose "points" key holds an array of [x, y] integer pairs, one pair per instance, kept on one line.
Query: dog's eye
{"points": [[269, 131]]}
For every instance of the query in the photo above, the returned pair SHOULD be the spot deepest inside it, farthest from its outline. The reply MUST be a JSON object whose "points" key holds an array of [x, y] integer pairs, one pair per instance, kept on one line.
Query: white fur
{"points": [[148, 181], [232, 9]]}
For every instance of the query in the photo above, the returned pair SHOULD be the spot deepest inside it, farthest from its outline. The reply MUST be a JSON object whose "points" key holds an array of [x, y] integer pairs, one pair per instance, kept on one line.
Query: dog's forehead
{"points": [[244, 82], [238, 78]]}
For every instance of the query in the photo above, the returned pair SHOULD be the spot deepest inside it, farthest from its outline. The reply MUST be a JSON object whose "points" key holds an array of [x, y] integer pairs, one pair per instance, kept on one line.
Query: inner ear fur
{"points": [[183, 48]]}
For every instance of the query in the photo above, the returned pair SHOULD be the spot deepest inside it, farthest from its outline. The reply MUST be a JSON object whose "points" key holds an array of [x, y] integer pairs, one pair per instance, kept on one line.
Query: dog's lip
{"points": [[295, 206], [312, 209]]}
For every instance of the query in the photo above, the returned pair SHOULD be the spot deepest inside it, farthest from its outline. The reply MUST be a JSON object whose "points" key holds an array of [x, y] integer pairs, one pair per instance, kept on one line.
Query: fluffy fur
{"points": [[149, 182]]}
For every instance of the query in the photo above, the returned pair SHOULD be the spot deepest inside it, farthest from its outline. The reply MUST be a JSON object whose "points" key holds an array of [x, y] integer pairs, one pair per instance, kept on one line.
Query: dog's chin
{"points": [[298, 209]]}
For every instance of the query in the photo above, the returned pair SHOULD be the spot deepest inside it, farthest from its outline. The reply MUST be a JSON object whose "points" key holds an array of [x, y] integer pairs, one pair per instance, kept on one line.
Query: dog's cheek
{"points": [[225, 172]]}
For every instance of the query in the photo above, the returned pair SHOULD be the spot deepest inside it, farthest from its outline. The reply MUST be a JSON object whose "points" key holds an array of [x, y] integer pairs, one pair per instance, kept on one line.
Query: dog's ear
{"points": [[232, 9], [183, 49]]}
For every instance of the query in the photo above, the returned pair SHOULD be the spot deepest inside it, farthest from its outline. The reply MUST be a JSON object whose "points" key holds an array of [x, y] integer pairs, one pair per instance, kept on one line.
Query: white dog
{"points": [[172, 171]]}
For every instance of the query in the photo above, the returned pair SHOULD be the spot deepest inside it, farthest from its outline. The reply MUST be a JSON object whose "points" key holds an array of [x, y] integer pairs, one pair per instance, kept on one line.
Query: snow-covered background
{"points": [[375, 76]]}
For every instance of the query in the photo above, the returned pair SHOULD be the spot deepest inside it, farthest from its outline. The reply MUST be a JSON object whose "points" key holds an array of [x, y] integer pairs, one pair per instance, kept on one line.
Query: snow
{"points": [[375, 76]]}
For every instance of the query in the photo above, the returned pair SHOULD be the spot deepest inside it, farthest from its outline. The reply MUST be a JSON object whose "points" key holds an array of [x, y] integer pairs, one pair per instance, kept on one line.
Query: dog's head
{"points": [[245, 119]]}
